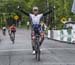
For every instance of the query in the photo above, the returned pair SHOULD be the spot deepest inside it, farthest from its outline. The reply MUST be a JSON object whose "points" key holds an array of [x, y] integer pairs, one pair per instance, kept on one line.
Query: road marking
{"points": [[15, 50], [54, 63], [41, 49], [58, 48]]}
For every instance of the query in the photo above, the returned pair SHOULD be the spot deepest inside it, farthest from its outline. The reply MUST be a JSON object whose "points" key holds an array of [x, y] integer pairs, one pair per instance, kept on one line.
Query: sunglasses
{"points": [[35, 10]]}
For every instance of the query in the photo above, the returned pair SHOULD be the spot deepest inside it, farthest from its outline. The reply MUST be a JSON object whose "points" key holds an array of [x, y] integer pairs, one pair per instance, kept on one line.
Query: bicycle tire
{"points": [[38, 54], [12, 39], [37, 51]]}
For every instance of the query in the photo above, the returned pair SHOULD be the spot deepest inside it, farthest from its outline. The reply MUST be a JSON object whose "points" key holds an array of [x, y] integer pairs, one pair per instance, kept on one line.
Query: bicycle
{"points": [[12, 38], [37, 44]]}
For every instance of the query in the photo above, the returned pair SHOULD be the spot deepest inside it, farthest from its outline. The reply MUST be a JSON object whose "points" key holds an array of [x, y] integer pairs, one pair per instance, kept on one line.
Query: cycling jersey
{"points": [[35, 19], [12, 28]]}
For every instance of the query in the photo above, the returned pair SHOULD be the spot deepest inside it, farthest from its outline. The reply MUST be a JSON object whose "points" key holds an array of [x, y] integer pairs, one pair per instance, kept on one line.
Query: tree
{"points": [[63, 7]]}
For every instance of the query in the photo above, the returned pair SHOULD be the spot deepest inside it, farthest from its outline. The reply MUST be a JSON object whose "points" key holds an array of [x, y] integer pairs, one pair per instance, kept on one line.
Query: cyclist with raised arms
{"points": [[35, 20]]}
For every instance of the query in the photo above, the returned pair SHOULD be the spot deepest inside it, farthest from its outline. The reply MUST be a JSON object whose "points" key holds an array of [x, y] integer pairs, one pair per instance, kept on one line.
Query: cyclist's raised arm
{"points": [[22, 11], [44, 14]]}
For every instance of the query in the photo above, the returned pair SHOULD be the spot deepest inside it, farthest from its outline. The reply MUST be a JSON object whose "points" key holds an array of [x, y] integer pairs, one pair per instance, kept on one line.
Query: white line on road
{"points": [[58, 63], [7, 50]]}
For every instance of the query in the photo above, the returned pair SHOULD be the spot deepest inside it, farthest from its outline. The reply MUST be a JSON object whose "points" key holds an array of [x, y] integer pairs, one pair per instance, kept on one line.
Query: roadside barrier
{"points": [[67, 35]]}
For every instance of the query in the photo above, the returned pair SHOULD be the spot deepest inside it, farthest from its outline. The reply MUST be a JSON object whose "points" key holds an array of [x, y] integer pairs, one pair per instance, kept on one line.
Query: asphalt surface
{"points": [[20, 53]]}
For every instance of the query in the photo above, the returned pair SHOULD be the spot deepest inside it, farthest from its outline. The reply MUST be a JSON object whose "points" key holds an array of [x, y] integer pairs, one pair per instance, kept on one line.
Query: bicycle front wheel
{"points": [[37, 51]]}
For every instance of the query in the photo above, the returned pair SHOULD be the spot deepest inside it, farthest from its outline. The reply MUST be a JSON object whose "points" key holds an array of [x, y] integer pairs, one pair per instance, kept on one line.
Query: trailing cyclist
{"points": [[12, 30], [4, 30]]}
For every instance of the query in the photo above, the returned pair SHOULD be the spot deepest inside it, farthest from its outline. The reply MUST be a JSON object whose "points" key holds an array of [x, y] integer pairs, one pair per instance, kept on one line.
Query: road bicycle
{"points": [[37, 44], [12, 37]]}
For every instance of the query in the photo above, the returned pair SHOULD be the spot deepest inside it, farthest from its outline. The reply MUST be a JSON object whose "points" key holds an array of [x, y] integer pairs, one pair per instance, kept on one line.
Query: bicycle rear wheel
{"points": [[12, 39], [37, 51], [38, 55]]}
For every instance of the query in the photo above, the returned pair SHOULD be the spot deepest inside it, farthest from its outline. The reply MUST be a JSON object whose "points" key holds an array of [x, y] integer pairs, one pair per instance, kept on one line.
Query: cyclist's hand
{"points": [[18, 7]]}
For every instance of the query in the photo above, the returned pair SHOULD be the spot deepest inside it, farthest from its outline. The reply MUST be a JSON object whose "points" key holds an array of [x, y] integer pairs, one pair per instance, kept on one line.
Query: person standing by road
{"points": [[28, 24]]}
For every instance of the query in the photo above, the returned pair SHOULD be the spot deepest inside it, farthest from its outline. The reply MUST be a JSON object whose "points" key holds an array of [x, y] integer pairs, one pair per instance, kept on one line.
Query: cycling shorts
{"points": [[35, 26]]}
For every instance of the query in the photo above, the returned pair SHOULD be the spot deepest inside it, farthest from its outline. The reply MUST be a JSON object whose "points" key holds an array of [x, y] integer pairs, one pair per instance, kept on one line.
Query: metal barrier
{"points": [[67, 35]]}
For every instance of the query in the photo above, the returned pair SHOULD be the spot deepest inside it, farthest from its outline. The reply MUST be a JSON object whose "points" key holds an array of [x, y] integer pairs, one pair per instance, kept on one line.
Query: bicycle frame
{"points": [[37, 46], [12, 37]]}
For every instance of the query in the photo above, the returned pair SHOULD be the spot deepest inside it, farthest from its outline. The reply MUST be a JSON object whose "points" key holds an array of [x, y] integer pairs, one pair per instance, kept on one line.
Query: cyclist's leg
{"points": [[14, 34], [33, 39], [41, 37], [33, 42], [10, 34]]}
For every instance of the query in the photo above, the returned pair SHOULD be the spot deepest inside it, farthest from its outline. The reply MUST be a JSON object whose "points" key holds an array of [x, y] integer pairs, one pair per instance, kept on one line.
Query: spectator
{"points": [[28, 24]]}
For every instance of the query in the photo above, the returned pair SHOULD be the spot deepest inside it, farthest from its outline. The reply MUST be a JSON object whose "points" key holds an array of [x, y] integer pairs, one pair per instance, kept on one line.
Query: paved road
{"points": [[20, 53]]}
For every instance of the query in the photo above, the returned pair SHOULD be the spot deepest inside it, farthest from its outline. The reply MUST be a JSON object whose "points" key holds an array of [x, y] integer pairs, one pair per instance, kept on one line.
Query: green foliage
{"points": [[63, 8]]}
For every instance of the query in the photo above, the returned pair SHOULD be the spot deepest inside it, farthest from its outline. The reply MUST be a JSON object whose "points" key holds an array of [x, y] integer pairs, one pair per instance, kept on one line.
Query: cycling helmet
{"points": [[35, 8]]}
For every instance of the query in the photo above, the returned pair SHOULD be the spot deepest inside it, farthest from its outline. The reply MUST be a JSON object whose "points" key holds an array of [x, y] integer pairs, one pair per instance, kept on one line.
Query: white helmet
{"points": [[35, 8]]}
